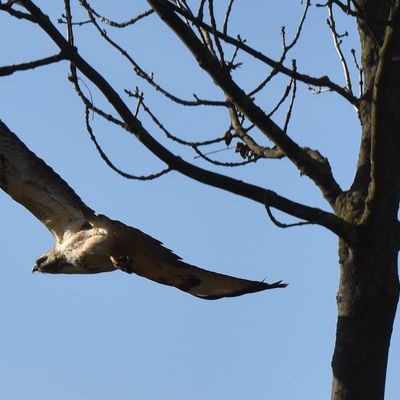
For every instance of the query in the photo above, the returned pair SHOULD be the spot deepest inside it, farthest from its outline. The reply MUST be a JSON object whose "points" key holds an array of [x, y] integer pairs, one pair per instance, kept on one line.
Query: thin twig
{"points": [[289, 113], [74, 79], [149, 78], [285, 51], [112, 23], [255, 148], [252, 159], [282, 99], [337, 42], [63, 20], [200, 12], [358, 13], [185, 6], [214, 28], [217, 151], [227, 15], [104, 156], [360, 74], [174, 138], [281, 224], [322, 81], [139, 103], [68, 15], [344, 7]]}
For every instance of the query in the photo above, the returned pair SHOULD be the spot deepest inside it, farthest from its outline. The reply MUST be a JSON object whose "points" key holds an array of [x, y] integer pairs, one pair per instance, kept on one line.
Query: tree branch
{"points": [[17, 14], [112, 23], [337, 42], [281, 224], [322, 81], [148, 77], [10, 69], [312, 165], [285, 51], [330, 221], [106, 159], [259, 151]]}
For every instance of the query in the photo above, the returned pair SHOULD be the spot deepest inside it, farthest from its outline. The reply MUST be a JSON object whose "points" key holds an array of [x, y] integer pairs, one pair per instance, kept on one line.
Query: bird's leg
{"points": [[122, 263]]}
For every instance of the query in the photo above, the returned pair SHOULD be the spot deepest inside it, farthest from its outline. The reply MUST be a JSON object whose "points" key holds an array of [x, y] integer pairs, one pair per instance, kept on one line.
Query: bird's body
{"points": [[82, 252], [88, 243]]}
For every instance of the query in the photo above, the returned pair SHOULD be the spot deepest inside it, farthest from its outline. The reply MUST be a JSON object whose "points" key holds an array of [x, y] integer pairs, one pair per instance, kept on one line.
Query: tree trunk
{"points": [[367, 301], [369, 284]]}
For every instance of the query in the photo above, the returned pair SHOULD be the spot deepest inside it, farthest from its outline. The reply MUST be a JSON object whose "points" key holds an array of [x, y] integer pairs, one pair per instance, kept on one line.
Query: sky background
{"points": [[120, 336]]}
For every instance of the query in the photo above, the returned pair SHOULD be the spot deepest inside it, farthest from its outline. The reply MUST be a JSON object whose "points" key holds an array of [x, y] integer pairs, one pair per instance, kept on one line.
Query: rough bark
{"points": [[369, 287], [367, 301]]}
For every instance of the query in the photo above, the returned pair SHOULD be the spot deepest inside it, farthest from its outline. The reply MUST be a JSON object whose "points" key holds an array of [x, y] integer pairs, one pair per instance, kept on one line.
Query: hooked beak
{"points": [[35, 269]]}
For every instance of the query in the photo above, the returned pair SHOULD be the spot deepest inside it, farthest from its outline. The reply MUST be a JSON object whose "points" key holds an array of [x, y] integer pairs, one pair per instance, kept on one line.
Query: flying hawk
{"points": [[87, 243]]}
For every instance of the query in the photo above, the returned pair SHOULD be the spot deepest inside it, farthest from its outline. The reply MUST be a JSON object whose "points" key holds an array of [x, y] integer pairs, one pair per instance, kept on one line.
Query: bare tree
{"points": [[364, 217]]}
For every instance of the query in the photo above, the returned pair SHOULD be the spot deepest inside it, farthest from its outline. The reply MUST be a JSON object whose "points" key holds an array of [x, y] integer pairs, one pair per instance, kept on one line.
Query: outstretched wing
{"points": [[32, 183], [135, 252]]}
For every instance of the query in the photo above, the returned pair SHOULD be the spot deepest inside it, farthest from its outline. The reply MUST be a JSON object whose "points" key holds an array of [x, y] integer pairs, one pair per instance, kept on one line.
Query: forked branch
{"points": [[312, 165], [238, 43], [314, 215]]}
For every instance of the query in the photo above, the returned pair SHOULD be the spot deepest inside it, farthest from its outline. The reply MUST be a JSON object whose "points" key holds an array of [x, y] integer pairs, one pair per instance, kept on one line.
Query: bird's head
{"points": [[50, 263]]}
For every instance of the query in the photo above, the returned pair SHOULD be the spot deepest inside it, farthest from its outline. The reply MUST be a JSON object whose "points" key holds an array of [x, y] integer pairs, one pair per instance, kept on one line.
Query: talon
{"points": [[122, 263]]}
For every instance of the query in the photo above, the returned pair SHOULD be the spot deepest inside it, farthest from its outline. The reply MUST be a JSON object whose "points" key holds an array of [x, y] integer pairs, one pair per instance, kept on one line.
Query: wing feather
{"points": [[32, 183], [145, 256]]}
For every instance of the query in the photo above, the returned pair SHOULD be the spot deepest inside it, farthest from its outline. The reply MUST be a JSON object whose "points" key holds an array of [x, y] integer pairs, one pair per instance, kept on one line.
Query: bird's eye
{"points": [[41, 260]]}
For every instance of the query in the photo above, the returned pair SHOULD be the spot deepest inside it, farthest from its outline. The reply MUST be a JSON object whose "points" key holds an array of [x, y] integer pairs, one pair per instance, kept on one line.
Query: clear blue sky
{"points": [[123, 337]]}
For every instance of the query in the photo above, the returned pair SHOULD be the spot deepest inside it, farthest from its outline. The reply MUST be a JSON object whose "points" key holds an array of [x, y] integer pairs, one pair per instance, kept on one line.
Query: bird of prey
{"points": [[87, 243]]}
